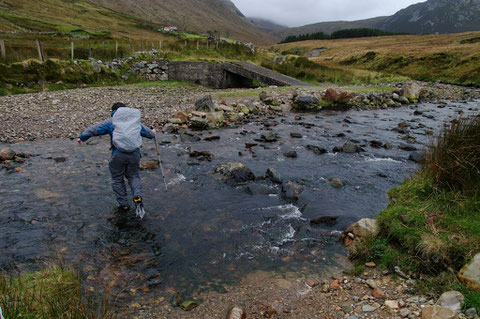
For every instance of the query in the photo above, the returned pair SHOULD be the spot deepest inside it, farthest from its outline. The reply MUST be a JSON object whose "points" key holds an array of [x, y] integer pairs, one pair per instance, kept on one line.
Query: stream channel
{"points": [[204, 233]]}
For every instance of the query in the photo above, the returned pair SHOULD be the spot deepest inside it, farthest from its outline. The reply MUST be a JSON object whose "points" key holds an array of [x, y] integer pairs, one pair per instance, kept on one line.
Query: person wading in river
{"points": [[126, 131]]}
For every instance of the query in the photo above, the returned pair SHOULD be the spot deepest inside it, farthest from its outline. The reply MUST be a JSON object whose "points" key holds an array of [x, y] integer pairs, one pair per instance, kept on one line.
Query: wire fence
{"points": [[13, 50]]}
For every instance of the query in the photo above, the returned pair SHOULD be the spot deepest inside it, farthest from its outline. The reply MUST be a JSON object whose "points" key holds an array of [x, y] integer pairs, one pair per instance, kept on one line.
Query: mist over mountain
{"points": [[267, 24], [436, 16]]}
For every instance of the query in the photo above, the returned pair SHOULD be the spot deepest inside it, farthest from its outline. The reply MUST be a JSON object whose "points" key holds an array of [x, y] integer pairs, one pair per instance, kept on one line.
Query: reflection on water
{"points": [[203, 233]]}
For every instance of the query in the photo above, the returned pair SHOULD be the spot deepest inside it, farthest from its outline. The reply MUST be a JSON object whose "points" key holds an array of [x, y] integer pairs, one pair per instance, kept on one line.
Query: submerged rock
{"points": [[350, 147], [336, 182], [316, 149], [236, 313], [291, 190], [7, 154], [273, 175], [328, 220], [235, 172]]}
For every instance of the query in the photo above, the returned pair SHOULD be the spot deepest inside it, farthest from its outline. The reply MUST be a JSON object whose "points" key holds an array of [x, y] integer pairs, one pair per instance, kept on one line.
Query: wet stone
{"points": [[273, 175], [290, 154], [316, 149], [327, 220], [291, 190]]}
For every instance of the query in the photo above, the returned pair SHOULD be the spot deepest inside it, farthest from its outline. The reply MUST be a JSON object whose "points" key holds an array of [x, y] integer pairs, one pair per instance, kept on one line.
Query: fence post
{"points": [[207, 44], [116, 48], [41, 56], [73, 50], [217, 45], [185, 44], [141, 45], [198, 45], [160, 43], [131, 45], [2, 49], [90, 50]]}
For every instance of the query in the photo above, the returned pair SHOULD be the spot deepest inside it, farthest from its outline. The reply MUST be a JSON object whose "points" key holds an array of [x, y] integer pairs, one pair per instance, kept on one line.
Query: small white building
{"points": [[170, 29]]}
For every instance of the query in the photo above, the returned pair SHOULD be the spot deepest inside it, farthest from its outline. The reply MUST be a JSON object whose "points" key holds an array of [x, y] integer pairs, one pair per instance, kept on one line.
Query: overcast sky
{"points": [[300, 12]]}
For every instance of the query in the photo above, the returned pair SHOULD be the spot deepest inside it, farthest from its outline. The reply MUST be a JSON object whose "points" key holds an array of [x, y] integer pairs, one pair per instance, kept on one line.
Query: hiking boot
{"points": [[138, 201], [139, 211]]}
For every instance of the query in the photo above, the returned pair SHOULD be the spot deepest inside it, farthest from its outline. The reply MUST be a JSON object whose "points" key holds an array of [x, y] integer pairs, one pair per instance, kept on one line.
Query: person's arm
{"points": [[146, 132], [102, 128]]}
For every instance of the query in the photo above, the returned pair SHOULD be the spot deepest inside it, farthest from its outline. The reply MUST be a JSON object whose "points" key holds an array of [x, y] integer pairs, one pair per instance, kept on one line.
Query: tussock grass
{"points": [[54, 292], [453, 161]]}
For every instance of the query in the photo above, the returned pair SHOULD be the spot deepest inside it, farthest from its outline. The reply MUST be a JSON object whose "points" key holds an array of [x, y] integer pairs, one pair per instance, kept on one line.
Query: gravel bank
{"points": [[28, 117]]}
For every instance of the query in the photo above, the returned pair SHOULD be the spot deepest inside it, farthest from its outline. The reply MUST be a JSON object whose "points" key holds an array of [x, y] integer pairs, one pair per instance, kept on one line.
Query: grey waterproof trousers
{"points": [[125, 165]]}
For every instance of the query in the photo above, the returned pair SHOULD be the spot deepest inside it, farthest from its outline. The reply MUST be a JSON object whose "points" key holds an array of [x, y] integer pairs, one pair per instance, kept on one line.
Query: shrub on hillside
{"points": [[453, 161]]}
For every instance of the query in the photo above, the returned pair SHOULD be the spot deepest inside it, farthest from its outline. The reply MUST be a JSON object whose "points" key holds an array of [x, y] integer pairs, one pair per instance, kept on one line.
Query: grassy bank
{"points": [[431, 227], [54, 292], [450, 58]]}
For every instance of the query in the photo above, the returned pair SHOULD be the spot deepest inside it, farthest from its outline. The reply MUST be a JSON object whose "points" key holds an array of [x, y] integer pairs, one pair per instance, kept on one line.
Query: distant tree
{"points": [[341, 34]]}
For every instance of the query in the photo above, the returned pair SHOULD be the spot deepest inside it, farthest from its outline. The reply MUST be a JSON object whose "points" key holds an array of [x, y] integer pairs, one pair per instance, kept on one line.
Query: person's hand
{"points": [[79, 141], [154, 131]]}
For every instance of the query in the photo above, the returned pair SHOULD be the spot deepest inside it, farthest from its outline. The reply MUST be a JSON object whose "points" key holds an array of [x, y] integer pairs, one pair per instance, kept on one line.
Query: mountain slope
{"points": [[328, 27], [193, 15], [130, 18], [436, 16]]}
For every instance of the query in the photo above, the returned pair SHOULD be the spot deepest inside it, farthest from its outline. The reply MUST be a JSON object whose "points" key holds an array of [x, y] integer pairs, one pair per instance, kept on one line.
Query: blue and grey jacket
{"points": [[106, 127]]}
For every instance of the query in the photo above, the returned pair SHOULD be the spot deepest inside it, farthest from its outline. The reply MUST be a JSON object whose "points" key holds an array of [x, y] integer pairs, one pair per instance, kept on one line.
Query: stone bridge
{"points": [[218, 75], [257, 73]]}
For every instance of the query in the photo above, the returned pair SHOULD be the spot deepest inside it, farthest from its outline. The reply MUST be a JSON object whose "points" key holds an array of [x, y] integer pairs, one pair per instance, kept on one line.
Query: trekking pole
{"points": [[160, 161]]}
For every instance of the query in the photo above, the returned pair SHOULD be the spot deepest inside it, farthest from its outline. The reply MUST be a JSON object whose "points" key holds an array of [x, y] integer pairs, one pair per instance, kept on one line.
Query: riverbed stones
{"points": [[327, 220], [336, 182], [470, 273], [416, 157], [438, 312], [306, 103], [236, 313], [350, 147], [337, 96], [215, 117], [198, 123], [392, 304], [205, 104], [7, 154], [290, 154], [452, 300], [273, 175], [316, 149], [235, 172], [291, 190]]}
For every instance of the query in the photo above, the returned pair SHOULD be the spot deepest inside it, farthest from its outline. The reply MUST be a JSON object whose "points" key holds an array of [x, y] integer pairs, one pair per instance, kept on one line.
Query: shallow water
{"points": [[203, 233]]}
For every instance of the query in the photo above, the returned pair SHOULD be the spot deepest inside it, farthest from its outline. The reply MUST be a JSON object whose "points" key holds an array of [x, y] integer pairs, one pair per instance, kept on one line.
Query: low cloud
{"points": [[301, 12]]}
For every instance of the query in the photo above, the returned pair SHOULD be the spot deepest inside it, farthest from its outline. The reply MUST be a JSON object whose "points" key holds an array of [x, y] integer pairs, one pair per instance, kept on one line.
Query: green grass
{"points": [[54, 292], [311, 72], [431, 226]]}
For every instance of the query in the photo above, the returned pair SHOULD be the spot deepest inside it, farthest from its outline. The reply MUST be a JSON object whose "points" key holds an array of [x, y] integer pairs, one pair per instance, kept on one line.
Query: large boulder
{"points": [[306, 103], [470, 273], [365, 227], [438, 312], [452, 300], [215, 117], [7, 154], [411, 91], [235, 172], [337, 96], [205, 104]]}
